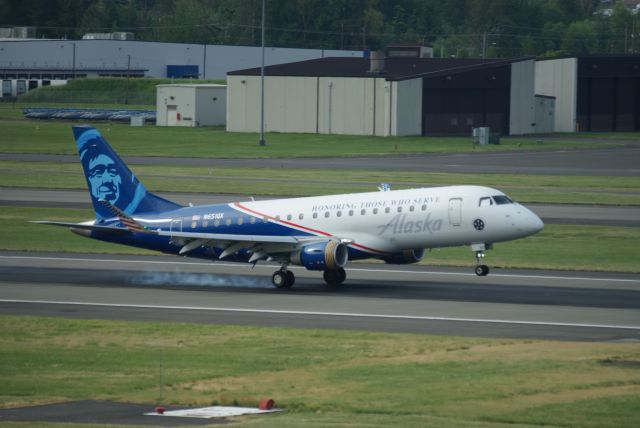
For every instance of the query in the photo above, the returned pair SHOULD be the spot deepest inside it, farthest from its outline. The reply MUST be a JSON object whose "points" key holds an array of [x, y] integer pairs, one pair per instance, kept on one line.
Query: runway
{"points": [[550, 213], [376, 297], [618, 160]]}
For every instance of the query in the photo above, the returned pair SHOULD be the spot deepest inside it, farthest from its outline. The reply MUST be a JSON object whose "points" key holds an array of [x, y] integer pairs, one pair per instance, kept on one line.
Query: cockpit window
{"points": [[502, 200], [485, 202]]}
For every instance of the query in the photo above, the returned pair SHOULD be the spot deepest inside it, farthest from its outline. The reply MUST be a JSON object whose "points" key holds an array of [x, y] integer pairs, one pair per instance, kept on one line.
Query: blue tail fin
{"points": [[109, 178]]}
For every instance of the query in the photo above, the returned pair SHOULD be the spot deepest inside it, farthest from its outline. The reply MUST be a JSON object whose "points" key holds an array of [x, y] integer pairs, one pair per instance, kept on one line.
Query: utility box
{"points": [[137, 121], [481, 135], [191, 105]]}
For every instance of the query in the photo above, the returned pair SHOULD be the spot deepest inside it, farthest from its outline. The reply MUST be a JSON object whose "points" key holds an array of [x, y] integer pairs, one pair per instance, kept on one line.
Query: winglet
{"points": [[131, 224]]}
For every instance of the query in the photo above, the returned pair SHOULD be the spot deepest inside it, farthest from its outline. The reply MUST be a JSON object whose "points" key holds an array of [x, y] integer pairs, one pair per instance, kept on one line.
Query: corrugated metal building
{"points": [[63, 59], [386, 96], [596, 93]]}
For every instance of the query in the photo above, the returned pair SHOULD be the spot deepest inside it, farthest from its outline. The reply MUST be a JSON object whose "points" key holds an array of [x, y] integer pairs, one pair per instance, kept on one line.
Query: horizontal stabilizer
{"points": [[83, 226]]}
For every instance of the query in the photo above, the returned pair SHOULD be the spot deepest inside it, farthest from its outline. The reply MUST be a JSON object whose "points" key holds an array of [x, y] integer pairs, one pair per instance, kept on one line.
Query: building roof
{"points": [[393, 68]]}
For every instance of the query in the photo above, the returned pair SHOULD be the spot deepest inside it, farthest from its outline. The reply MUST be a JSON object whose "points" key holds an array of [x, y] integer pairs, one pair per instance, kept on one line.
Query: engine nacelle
{"points": [[405, 257], [329, 255]]}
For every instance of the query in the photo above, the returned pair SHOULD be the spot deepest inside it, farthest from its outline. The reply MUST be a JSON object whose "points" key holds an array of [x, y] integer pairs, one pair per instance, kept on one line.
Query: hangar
{"points": [[386, 96], [592, 93]]}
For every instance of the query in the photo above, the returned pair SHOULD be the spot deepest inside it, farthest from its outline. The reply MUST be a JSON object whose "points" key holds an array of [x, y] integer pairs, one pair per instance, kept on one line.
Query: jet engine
{"points": [[405, 257], [328, 255]]}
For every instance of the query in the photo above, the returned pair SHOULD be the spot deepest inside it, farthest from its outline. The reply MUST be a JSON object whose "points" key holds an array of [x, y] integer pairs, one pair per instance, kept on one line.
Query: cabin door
{"points": [[455, 211]]}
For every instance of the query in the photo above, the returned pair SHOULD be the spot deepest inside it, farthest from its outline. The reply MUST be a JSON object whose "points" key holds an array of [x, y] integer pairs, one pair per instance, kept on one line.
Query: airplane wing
{"points": [[262, 247]]}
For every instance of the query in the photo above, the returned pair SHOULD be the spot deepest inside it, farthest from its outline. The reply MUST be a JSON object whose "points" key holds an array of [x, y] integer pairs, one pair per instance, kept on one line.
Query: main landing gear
{"points": [[334, 277], [481, 269], [283, 278]]}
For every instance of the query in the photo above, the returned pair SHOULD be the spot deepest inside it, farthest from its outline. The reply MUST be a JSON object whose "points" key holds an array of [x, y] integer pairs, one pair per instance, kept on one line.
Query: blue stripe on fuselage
{"points": [[207, 215]]}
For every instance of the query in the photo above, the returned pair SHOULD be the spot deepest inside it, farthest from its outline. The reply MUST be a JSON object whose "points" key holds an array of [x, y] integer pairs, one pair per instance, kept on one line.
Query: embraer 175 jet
{"points": [[320, 233]]}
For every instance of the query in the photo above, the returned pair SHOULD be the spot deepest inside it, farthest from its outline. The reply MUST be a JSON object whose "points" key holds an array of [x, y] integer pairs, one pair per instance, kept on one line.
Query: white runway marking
{"points": [[334, 314], [350, 269]]}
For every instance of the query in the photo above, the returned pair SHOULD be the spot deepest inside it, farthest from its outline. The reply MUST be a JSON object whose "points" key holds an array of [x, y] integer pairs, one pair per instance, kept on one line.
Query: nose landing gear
{"points": [[481, 269]]}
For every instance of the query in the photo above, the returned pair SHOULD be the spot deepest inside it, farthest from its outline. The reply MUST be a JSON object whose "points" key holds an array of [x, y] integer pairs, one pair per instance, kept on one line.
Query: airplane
{"points": [[321, 233]]}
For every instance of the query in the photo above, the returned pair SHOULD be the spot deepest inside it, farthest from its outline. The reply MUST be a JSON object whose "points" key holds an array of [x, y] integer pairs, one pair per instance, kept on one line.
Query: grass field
{"points": [[28, 136], [589, 248], [323, 377], [307, 182]]}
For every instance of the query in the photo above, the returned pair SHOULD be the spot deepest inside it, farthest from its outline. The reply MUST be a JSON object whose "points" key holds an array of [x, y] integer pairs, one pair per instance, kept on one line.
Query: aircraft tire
{"points": [[334, 277], [279, 279], [291, 279], [482, 270]]}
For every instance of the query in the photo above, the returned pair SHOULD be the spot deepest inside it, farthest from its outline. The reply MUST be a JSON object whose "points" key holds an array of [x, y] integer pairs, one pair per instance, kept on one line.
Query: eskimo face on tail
{"points": [[108, 178], [103, 175]]}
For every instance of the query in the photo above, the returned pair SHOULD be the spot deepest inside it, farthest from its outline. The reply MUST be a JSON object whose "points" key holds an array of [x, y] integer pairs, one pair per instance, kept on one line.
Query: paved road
{"points": [[613, 161], [549, 305], [550, 214]]}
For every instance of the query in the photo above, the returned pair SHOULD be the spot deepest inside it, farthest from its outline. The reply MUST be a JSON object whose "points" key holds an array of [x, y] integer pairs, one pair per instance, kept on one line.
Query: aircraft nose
{"points": [[535, 223], [530, 223]]}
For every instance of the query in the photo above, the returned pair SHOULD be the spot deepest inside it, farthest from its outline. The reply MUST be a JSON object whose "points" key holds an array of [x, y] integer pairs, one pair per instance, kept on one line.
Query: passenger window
{"points": [[216, 223], [363, 211], [326, 214], [252, 220], [411, 208], [339, 214], [350, 213], [387, 210], [278, 217], [228, 222], [205, 223], [300, 216], [315, 215], [424, 207], [289, 217], [485, 202], [399, 209], [375, 211], [240, 221]]}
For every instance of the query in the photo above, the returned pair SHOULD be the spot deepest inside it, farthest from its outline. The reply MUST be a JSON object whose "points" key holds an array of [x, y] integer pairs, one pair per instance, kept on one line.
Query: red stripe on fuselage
{"points": [[239, 205]]}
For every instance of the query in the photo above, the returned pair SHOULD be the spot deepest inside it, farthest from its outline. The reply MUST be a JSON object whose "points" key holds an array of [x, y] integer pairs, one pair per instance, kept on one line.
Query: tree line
{"points": [[455, 28]]}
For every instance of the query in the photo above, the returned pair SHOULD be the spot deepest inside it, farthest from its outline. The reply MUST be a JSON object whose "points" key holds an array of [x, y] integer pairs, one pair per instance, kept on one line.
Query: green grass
{"points": [[588, 248], [30, 136], [105, 90], [322, 377], [307, 182]]}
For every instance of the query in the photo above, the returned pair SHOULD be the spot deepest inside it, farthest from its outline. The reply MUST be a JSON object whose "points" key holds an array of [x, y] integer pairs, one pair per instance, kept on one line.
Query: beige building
{"points": [[191, 105]]}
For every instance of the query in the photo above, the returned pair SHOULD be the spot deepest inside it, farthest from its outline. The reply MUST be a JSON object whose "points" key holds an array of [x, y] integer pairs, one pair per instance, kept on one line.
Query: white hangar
{"points": [[393, 95]]}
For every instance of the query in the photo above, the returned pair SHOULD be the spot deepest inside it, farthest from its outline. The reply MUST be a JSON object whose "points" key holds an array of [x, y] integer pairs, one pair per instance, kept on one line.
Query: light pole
{"points": [[262, 142]]}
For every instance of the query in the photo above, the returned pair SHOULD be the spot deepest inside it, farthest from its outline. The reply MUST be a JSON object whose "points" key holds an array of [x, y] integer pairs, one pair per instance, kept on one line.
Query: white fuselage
{"points": [[387, 222]]}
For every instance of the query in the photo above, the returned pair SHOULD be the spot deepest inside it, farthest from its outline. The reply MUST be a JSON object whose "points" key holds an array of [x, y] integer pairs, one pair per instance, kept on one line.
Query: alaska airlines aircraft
{"points": [[320, 233]]}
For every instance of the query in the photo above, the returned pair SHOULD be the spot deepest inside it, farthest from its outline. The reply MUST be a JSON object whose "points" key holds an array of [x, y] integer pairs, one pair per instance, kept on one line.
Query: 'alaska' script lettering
{"points": [[399, 225]]}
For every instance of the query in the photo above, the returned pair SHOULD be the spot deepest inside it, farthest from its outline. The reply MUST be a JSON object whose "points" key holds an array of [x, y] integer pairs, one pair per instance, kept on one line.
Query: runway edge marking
{"points": [[335, 314], [212, 264]]}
